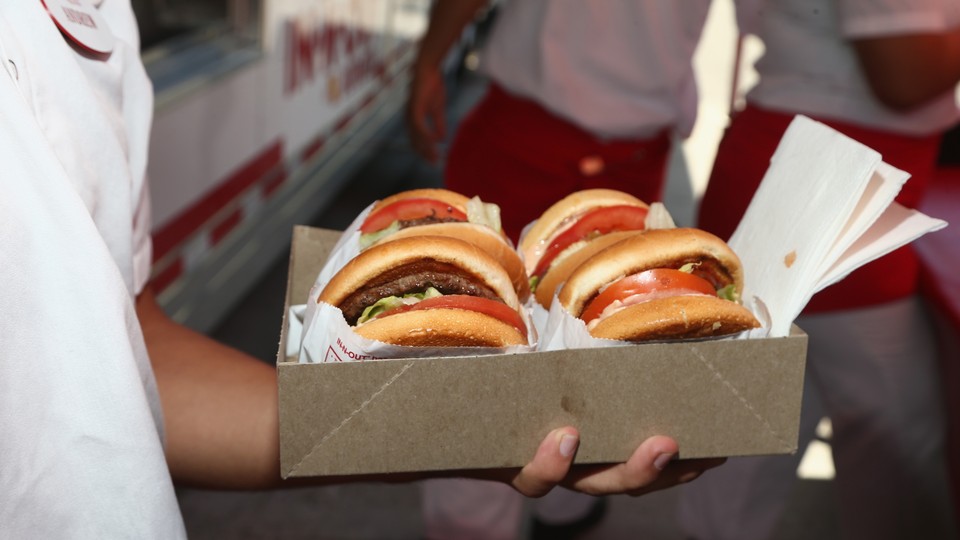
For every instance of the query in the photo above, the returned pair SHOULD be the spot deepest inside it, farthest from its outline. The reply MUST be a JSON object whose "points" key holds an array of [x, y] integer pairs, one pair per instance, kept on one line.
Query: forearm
{"points": [[219, 406], [907, 71], [448, 18]]}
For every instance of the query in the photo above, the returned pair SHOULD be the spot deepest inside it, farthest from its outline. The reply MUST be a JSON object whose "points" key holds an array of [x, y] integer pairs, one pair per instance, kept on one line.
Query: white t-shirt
{"points": [[616, 69], [81, 449], [810, 67]]}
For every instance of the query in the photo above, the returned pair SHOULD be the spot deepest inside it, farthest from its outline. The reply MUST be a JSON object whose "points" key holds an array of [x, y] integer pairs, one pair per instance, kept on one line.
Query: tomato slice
{"points": [[493, 308], [648, 281], [598, 221], [406, 209]]}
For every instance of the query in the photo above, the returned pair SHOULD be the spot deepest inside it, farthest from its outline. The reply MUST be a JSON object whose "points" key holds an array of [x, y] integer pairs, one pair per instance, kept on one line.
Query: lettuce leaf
{"points": [[729, 293], [483, 213], [369, 239], [392, 302]]}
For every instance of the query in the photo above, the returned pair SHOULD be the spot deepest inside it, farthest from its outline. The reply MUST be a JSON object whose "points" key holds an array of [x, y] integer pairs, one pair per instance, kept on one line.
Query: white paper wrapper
{"points": [[347, 247]]}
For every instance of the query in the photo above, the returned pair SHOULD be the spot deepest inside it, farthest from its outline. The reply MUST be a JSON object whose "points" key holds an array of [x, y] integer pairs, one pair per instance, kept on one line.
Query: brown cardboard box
{"points": [[716, 398]]}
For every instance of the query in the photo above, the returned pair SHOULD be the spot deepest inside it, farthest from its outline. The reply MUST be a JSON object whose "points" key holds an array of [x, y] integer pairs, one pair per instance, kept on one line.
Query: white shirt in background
{"points": [[617, 69], [811, 68]]}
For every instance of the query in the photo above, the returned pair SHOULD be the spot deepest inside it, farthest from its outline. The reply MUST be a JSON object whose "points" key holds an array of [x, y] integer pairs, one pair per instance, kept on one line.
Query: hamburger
{"points": [[430, 291], [569, 225], [411, 208], [660, 284], [441, 212]]}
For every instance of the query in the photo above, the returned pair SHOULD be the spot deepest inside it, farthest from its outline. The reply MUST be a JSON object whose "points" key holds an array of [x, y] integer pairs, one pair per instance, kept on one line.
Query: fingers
{"points": [[423, 140], [637, 473], [652, 467], [419, 131], [550, 465], [426, 114], [681, 472]]}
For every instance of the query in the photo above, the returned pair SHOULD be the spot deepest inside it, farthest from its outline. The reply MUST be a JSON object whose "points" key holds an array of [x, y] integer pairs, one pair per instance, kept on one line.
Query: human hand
{"points": [[426, 111], [650, 468]]}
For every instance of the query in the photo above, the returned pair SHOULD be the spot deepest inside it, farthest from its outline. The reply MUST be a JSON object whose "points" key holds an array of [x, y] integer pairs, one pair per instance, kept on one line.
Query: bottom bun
{"points": [[442, 327], [676, 317]]}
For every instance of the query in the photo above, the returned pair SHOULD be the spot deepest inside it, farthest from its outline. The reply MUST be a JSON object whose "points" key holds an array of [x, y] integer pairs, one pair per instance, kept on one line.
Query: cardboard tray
{"points": [[716, 398]]}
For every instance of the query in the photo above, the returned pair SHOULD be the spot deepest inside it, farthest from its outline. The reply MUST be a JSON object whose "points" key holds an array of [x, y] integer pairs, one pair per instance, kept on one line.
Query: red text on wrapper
{"points": [[334, 356]]}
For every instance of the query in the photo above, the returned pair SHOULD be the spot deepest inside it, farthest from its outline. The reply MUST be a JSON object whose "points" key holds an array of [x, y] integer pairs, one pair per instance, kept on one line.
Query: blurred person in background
{"points": [[884, 73], [105, 402], [581, 95]]}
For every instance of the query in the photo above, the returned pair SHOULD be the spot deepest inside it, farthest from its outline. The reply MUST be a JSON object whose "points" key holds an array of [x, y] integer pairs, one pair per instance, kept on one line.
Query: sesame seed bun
{"points": [[481, 236], [659, 248], [368, 265], [445, 195]]}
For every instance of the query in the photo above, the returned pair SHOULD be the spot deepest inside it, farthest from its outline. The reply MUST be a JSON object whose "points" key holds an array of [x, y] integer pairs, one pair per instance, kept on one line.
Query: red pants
{"points": [[512, 152], [742, 159]]}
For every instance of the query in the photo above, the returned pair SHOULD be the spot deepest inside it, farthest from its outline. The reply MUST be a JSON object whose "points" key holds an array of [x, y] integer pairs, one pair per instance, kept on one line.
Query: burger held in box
{"points": [[424, 326]]}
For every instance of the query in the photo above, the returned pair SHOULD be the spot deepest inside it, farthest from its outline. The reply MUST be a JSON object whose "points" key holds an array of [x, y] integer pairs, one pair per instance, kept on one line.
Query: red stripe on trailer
{"points": [[398, 51], [190, 220], [367, 101], [343, 121], [273, 183], [312, 148], [222, 229]]}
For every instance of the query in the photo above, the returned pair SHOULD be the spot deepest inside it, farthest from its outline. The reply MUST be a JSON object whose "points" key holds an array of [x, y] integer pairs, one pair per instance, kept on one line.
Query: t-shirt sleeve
{"points": [[142, 242]]}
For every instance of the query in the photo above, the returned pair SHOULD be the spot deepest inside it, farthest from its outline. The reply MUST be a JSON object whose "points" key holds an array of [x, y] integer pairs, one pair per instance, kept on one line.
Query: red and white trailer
{"points": [[261, 116]]}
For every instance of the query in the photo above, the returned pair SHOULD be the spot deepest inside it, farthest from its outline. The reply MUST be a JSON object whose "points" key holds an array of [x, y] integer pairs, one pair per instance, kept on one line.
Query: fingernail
{"points": [[662, 461], [568, 445], [689, 477]]}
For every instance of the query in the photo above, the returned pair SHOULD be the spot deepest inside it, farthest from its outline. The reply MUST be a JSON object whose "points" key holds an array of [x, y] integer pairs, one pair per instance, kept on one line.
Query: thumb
{"points": [[550, 464]]}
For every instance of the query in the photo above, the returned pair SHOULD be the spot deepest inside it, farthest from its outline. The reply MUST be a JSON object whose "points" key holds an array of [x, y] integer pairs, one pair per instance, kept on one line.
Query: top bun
{"points": [[481, 236], [445, 195], [556, 218], [365, 269], [659, 248]]}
